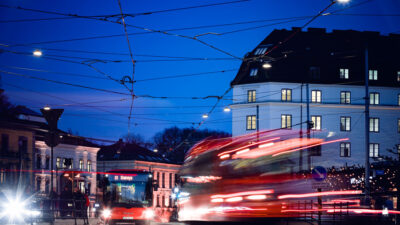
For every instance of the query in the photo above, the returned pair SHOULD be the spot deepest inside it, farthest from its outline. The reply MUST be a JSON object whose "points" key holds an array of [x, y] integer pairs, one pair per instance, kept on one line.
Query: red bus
{"points": [[128, 198], [269, 175]]}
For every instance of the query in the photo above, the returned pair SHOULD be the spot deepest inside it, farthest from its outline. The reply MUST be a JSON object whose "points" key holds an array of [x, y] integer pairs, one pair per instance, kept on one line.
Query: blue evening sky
{"points": [[105, 115]]}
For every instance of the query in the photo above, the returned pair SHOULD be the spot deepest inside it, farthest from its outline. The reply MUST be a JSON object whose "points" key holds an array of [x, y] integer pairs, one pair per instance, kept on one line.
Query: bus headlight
{"points": [[149, 214], [106, 213]]}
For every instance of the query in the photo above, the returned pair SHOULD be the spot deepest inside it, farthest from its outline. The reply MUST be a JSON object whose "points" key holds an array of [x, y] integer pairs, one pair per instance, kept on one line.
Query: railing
{"points": [[48, 210]]}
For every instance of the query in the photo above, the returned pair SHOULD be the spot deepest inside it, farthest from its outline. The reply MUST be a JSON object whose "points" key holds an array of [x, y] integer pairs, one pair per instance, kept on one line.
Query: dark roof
{"points": [[40, 129], [128, 151], [26, 111], [326, 52]]}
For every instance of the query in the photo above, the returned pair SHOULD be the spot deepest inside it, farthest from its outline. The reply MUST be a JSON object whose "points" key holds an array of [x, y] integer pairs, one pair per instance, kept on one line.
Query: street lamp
{"points": [[227, 109], [266, 65], [37, 53], [205, 116]]}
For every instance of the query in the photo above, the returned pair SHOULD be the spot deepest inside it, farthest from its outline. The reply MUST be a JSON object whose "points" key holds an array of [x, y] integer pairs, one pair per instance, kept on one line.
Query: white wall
{"points": [[268, 97]]}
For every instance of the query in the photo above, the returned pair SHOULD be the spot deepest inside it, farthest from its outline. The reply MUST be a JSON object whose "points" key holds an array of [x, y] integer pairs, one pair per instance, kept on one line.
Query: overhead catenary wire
{"points": [[134, 26], [127, 14]]}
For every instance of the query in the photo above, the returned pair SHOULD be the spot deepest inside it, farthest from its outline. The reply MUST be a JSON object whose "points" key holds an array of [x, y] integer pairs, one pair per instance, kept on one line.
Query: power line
{"points": [[134, 26], [114, 15], [64, 83]]}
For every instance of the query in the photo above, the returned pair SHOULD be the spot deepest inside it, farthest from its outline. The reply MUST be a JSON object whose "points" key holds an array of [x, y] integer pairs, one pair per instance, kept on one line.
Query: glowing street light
{"points": [[205, 116], [227, 109], [343, 1], [47, 108], [266, 65], [37, 53]]}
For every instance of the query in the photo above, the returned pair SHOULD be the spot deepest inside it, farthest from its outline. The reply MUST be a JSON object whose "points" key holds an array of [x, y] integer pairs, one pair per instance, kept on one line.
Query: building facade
{"points": [[327, 70]]}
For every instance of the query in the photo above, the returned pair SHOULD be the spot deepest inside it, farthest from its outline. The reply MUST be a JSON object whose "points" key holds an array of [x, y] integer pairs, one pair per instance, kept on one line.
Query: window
{"points": [[373, 124], [345, 97], [251, 96], [38, 161], [373, 74], [316, 96], [158, 180], [286, 121], [344, 73], [373, 150], [89, 166], [261, 50], [170, 180], [345, 149], [163, 201], [398, 125], [47, 162], [398, 99], [163, 180], [286, 95], [315, 151], [316, 122], [315, 72], [253, 72], [4, 142], [374, 98], [22, 145], [251, 122], [345, 124], [81, 164], [398, 76], [58, 162], [158, 201]]}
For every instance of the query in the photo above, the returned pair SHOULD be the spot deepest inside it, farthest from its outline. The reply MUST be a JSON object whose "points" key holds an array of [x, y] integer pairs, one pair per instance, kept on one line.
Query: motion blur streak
{"points": [[234, 199], [364, 211], [256, 197], [316, 194], [261, 144], [269, 191], [323, 143], [217, 200], [282, 146]]}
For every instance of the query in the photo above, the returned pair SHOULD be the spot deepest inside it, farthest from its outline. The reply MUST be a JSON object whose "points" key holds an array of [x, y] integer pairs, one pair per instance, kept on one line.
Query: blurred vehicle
{"points": [[265, 176], [129, 198]]}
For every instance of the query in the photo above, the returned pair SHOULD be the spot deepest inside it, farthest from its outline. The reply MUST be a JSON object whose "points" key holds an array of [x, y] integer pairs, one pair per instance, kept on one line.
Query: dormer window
{"points": [[344, 74], [261, 50], [253, 72], [373, 74]]}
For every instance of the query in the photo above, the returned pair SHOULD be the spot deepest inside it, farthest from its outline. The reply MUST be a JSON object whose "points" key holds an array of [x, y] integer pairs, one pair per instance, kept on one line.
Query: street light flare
{"points": [[37, 53]]}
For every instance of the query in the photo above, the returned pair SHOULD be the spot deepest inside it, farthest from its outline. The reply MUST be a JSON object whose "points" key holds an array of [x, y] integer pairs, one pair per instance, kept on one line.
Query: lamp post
{"points": [[52, 138]]}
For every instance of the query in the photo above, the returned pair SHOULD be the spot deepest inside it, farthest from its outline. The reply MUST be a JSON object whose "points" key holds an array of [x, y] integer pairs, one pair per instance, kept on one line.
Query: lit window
{"points": [[345, 124], [253, 72], [398, 99], [260, 50], [374, 98], [89, 166], [316, 122], [58, 162], [81, 164], [286, 95], [373, 74], [398, 76], [286, 121], [373, 150], [345, 149], [374, 124], [345, 97], [344, 73], [251, 122], [251, 96], [316, 96]]}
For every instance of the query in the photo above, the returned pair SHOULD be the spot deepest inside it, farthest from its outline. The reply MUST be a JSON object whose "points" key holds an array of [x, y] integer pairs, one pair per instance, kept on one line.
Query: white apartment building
{"points": [[333, 66]]}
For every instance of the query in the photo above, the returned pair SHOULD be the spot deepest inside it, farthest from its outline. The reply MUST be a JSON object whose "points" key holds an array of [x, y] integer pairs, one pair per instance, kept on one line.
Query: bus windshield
{"points": [[129, 189]]}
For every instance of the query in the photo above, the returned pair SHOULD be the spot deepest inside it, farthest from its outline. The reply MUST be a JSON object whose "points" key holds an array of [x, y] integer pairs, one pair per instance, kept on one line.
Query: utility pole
{"points": [[301, 126], [308, 126], [257, 122], [367, 165]]}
